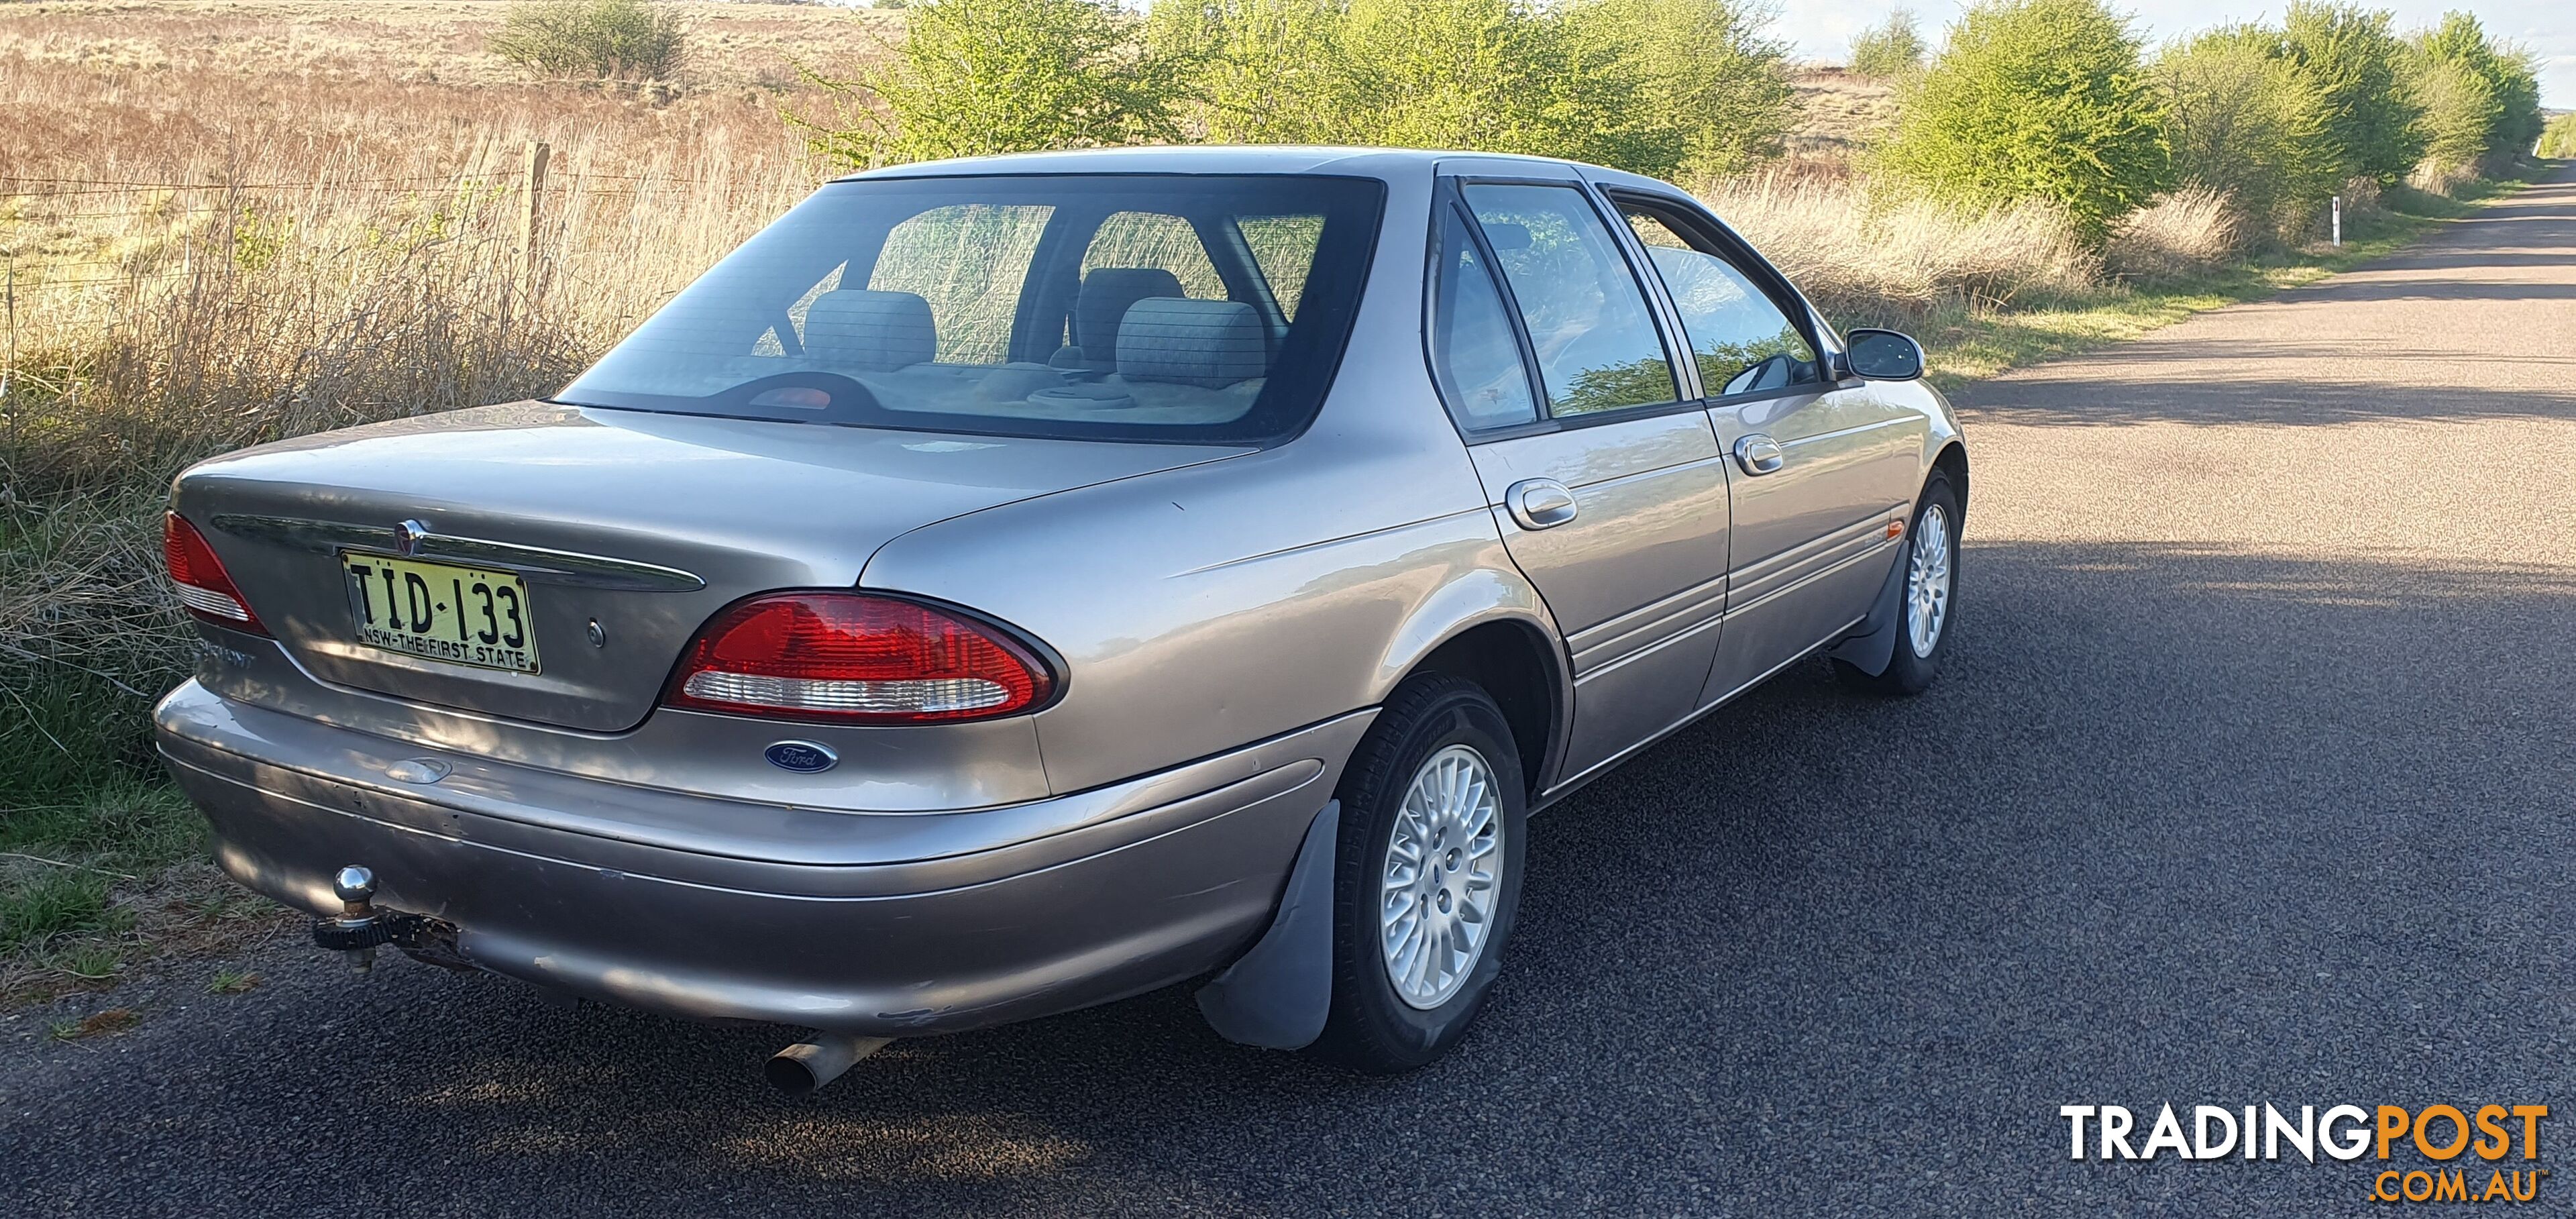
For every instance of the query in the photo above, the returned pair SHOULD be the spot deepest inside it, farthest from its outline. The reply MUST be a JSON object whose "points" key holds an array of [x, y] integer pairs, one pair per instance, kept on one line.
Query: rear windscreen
{"points": [[1207, 309]]}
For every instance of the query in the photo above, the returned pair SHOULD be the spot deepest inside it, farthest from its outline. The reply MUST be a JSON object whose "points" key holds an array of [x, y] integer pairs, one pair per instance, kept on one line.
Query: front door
{"points": [[1609, 490], [1820, 472]]}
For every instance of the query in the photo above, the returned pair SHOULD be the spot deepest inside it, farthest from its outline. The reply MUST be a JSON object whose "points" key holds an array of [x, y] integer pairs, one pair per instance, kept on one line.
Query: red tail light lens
{"points": [[203, 585], [855, 658]]}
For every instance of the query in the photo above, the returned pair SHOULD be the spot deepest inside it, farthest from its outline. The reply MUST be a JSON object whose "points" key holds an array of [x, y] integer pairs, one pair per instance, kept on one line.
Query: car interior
{"points": [[1044, 314]]}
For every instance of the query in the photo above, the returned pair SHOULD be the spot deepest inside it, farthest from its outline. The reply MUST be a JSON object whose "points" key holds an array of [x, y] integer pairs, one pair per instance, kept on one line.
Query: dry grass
{"points": [[1839, 113], [1866, 257], [732, 47], [2184, 233]]}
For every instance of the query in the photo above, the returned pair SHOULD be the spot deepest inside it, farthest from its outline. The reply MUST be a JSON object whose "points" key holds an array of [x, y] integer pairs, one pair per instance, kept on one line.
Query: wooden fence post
{"points": [[538, 154]]}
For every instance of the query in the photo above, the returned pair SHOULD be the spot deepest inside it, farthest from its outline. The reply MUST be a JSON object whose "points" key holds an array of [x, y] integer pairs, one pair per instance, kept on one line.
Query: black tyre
{"points": [[1427, 876], [1925, 604]]}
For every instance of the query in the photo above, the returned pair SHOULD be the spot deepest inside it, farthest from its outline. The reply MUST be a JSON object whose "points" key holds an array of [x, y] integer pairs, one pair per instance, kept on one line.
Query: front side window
{"points": [[1587, 318], [1131, 307], [1740, 340]]}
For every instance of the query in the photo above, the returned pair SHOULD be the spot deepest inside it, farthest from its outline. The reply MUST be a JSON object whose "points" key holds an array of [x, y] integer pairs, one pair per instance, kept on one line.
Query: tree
{"points": [[1260, 71], [2241, 119], [975, 77], [1891, 50], [2036, 99], [1476, 74], [2481, 101], [2357, 67], [2558, 139], [1663, 87], [1706, 94]]}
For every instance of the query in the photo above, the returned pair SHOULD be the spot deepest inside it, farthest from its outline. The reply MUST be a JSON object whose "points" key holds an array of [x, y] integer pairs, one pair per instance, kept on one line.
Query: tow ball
{"points": [[360, 928]]}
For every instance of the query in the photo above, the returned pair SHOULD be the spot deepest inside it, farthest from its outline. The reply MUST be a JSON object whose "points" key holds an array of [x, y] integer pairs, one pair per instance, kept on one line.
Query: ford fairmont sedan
{"points": [[1004, 586]]}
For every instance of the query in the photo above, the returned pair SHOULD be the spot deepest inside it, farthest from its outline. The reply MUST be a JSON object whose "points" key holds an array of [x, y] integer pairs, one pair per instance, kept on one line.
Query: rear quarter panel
{"points": [[1207, 608]]}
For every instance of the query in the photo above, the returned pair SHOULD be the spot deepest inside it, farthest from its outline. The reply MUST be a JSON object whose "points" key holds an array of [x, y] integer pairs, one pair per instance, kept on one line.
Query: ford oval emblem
{"points": [[803, 757]]}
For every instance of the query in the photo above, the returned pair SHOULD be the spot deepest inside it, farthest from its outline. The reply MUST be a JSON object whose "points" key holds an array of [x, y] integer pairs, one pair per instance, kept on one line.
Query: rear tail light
{"points": [[203, 585], [856, 658]]}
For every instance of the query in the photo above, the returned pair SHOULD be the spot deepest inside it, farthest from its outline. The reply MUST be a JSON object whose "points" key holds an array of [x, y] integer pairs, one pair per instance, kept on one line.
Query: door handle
{"points": [[1540, 503], [1759, 454]]}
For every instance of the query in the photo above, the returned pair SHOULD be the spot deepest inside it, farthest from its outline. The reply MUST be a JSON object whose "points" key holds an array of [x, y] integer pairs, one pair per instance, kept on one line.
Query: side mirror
{"points": [[1884, 355]]}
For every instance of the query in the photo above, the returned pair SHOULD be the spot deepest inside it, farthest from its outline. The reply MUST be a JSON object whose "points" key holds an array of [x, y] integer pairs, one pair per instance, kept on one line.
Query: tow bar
{"points": [[360, 928]]}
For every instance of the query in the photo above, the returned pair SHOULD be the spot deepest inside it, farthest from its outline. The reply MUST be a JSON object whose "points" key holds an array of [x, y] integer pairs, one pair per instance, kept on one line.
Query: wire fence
{"points": [[25, 198]]}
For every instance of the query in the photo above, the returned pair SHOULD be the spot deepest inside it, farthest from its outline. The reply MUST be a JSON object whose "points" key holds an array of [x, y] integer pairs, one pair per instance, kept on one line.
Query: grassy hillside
{"points": [[732, 46]]}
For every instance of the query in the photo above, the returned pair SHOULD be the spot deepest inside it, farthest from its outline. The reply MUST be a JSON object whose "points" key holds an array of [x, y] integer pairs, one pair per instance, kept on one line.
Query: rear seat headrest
{"points": [[877, 331], [1106, 295], [1207, 343]]}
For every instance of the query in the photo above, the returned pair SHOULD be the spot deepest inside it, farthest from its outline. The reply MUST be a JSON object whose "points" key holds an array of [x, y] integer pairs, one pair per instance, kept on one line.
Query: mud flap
{"points": [[1277, 994], [1871, 646]]}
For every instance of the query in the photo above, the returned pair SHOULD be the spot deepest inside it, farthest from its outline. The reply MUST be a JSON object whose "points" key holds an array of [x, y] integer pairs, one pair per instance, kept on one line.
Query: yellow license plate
{"points": [[464, 615]]}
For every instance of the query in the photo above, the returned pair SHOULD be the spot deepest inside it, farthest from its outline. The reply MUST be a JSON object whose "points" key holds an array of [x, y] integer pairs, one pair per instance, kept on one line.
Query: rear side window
{"points": [[1740, 340], [1110, 306], [1473, 351], [1586, 317]]}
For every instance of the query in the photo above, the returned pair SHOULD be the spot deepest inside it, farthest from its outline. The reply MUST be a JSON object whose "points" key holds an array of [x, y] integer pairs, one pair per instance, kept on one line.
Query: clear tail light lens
{"points": [[203, 585], [856, 658]]}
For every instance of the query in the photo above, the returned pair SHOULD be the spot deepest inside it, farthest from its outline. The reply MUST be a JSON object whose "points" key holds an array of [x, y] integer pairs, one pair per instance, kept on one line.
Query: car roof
{"points": [[1227, 159]]}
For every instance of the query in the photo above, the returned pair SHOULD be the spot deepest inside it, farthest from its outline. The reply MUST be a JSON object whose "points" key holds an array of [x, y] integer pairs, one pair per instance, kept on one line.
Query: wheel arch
{"points": [[1952, 460], [1510, 651]]}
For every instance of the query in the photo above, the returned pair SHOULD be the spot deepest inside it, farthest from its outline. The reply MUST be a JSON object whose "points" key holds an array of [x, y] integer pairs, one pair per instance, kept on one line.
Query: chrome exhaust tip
{"points": [[801, 1068]]}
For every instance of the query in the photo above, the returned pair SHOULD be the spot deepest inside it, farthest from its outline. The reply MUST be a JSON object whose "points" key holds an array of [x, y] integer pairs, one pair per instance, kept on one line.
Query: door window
{"points": [[1587, 319], [1740, 340], [1473, 350]]}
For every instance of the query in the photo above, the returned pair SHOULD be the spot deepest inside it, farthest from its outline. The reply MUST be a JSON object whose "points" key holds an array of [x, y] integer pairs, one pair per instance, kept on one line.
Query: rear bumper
{"points": [[888, 924]]}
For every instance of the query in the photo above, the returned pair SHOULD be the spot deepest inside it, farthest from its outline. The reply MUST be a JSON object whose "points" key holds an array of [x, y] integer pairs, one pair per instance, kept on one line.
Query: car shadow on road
{"points": [[2194, 389], [1777, 961]]}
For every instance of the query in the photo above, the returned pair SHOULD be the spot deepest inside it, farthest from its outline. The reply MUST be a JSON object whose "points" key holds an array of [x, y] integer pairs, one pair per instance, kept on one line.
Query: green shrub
{"points": [[1663, 87], [630, 39], [976, 77], [1711, 92], [1890, 50], [2558, 139], [2242, 120], [2481, 101], [1260, 71], [2459, 108], [2035, 99], [1443, 74], [2357, 67]]}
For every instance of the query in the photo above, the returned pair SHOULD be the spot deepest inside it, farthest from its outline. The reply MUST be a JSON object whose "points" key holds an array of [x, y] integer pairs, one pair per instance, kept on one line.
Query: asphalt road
{"points": [[2253, 779]]}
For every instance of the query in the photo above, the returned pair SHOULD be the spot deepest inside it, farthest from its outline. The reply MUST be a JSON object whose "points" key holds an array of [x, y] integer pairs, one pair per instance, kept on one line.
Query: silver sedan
{"points": [[1004, 586]]}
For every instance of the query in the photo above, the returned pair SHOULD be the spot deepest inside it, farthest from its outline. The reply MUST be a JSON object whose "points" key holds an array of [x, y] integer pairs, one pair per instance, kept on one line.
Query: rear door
{"points": [[1821, 472], [1604, 477]]}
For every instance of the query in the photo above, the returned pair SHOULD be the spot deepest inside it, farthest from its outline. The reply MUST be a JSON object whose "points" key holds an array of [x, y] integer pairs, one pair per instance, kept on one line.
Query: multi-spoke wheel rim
{"points": [[1444, 867], [1927, 581]]}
